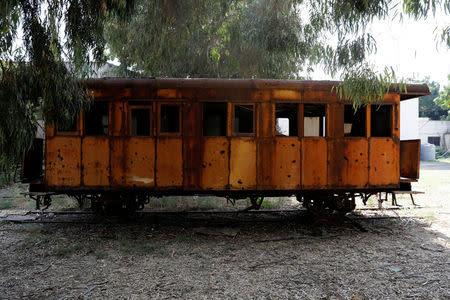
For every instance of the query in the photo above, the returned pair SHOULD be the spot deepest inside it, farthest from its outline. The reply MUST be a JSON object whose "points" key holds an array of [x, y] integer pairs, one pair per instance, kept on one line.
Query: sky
{"points": [[410, 48]]}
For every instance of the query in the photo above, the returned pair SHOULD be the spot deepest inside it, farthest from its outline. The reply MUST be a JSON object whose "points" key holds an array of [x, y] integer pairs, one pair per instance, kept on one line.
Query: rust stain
{"points": [[286, 166], [286, 94], [314, 163], [214, 164], [169, 163], [243, 163], [95, 161], [63, 164], [384, 164], [167, 93]]}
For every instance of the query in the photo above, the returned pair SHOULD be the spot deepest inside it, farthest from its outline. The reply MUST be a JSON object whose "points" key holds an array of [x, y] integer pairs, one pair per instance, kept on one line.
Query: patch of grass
{"points": [[34, 239], [185, 291], [273, 203], [3, 222], [137, 247], [100, 254], [67, 250], [5, 204]]}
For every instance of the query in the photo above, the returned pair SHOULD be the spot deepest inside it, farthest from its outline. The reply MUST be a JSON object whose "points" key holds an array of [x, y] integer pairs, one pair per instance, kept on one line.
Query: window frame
{"points": [[77, 132], [326, 116], [299, 119], [137, 106], [226, 103], [233, 111], [366, 122], [391, 119], [84, 119], [159, 119]]}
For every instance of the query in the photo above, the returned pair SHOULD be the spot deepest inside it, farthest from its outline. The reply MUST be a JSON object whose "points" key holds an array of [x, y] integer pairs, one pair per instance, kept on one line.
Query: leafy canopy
{"points": [[428, 106], [46, 47]]}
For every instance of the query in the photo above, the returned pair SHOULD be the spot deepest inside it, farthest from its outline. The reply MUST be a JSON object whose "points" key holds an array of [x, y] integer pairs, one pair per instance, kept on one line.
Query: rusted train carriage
{"points": [[232, 138]]}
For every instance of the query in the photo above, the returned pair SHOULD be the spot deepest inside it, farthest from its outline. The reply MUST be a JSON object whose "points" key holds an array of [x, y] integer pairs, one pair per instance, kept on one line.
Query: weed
{"points": [[64, 250], [185, 291], [100, 254], [3, 222], [273, 203], [5, 204], [136, 247]]}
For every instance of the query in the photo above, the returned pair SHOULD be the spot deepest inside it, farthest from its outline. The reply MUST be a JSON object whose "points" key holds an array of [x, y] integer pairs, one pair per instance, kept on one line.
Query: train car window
{"points": [[72, 127], [140, 121], [314, 120], [214, 119], [170, 118], [381, 120], [97, 119], [354, 121], [286, 119], [243, 118]]}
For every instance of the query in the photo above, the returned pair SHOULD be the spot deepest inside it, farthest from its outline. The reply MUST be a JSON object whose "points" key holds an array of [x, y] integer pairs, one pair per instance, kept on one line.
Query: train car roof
{"points": [[412, 90]]}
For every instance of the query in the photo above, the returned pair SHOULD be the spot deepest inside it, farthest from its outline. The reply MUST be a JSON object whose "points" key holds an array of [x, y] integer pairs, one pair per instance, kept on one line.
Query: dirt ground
{"points": [[275, 256]]}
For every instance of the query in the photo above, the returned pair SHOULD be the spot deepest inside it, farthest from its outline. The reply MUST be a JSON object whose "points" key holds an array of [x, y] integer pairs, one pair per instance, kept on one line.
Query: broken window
{"points": [[314, 120], [381, 121], [435, 140], [140, 121], [354, 121], [243, 119], [214, 119], [97, 119], [286, 119], [170, 118]]}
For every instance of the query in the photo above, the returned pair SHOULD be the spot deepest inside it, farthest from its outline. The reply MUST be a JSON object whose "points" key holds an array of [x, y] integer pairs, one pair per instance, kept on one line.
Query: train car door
{"points": [[215, 160], [410, 159], [169, 145], [243, 157]]}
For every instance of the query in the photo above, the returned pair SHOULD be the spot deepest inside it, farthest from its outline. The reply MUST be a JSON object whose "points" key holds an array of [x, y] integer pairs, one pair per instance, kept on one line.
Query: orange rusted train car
{"points": [[231, 138]]}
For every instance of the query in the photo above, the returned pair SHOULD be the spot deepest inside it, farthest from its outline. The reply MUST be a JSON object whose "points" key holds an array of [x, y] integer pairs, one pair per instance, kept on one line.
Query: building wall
{"points": [[409, 119], [429, 128]]}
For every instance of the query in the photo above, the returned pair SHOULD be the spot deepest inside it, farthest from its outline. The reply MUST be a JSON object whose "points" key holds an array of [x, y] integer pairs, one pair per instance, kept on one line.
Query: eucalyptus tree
{"points": [[261, 39], [45, 46]]}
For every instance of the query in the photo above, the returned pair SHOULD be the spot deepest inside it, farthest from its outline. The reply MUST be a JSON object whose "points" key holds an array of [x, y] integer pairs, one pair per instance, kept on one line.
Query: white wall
{"points": [[428, 128], [409, 119]]}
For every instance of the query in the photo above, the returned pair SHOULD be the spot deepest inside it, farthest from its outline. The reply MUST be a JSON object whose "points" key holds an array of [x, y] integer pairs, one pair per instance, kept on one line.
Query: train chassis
{"points": [[110, 203]]}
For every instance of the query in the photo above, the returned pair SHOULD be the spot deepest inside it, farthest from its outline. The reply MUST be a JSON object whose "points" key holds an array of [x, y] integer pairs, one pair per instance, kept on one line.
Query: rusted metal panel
{"points": [[63, 161], [335, 120], [286, 172], [286, 94], [410, 159], [140, 161], [266, 118], [214, 165], [396, 122], [169, 162], [95, 161], [314, 162], [243, 163], [118, 161], [240, 89], [319, 96], [348, 163], [384, 162], [265, 163], [118, 119]]}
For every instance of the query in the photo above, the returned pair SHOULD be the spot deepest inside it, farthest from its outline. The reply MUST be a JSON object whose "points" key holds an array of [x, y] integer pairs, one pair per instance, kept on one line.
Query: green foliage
{"points": [[40, 71], [443, 101], [46, 47], [364, 86], [428, 106]]}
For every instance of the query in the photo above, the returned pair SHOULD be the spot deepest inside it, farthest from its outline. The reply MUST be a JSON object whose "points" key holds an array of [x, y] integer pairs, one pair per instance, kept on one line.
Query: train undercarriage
{"points": [[128, 202]]}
